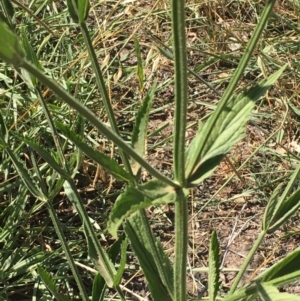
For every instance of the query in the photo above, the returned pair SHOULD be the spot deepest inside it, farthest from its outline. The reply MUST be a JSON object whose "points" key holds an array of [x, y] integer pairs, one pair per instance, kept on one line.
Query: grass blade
{"points": [[214, 267], [106, 162], [10, 49], [49, 282], [27, 179], [139, 133], [98, 288], [46, 156], [139, 69], [97, 253], [271, 293], [118, 276], [154, 262], [67, 251]]}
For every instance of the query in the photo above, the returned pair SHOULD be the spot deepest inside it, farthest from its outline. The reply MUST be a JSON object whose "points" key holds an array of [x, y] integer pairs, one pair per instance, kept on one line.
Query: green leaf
{"points": [[10, 48], [106, 162], [73, 10], [83, 10], [272, 206], [7, 13], [282, 269], [30, 56], [18, 263], [118, 276], [46, 156], [159, 192], [56, 189], [142, 249], [115, 249], [97, 254], [139, 134], [271, 293], [283, 212], [3, 129], [27, 179], [127, 202], [204, 155], [139, 70], [133, 199], [49, 283], [99, 286], [102, 263], [9, 9], [214, 267]]}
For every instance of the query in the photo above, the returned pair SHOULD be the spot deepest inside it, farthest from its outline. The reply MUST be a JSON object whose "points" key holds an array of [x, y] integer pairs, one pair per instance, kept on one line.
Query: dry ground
{"points": [[233, 200]]}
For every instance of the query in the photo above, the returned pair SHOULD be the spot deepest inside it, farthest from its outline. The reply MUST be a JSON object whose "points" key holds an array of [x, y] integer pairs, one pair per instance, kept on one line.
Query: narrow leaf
{"points": [[127, 202], [284, 267], [118, 276], [73, 10], [156, 191], [49, 283], [27, 179], [3, 129], [97, 254], [270, 210], [106, 162], [271, 293], [203, 156], [46, 156], [133, 199], [139, 134], [141, 247], [214, 267], [99, 286], [30, 56], [139, 70], [7, 13], [83, 10], [10, 49], [9, 9], [284, 212]]}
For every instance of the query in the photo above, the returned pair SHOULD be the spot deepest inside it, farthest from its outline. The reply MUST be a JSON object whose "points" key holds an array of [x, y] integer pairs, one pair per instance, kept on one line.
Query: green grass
{"points": [[217, 35]]}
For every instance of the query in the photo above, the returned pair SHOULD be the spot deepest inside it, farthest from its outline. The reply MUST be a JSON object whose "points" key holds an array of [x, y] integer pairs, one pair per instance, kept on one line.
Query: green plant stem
{"points": [[66, 249], [81, 109], [103, 90], [246, 262], [178, 26], [181, 243]]}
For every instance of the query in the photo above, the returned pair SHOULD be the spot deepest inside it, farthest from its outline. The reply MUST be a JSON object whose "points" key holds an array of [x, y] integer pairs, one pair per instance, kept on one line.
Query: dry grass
{"points": [[233, 199]]}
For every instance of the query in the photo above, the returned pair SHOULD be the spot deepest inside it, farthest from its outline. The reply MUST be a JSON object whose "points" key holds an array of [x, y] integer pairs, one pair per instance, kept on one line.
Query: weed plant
{"points": [[52, 116]]}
